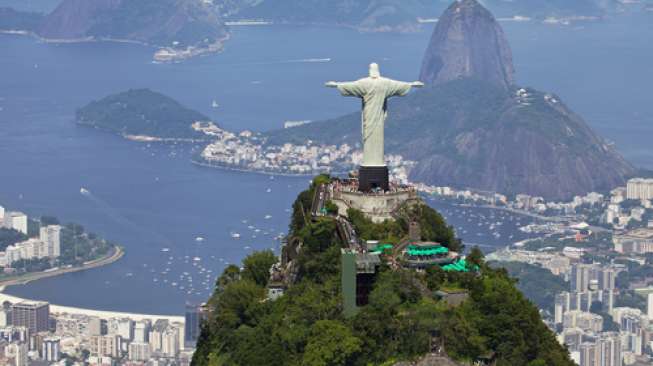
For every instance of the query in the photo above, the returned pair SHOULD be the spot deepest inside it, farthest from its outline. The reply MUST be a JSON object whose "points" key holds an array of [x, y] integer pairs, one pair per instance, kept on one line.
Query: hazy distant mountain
{"points": [[367, 14], [178, 23], [12, 20], [473, 128], [399, 14]]}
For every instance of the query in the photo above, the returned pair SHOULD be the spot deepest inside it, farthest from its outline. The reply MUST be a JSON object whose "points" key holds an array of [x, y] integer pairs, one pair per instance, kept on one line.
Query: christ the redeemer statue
{"points": [[374, 92]]}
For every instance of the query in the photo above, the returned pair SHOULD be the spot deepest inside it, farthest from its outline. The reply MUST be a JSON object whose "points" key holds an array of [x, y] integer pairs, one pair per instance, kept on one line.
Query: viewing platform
{"points": [[378, 205]]}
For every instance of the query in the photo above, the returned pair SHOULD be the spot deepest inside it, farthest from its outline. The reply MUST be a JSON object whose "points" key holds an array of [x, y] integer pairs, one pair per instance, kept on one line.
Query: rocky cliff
{"points": [[472, 127], [468, 43]]}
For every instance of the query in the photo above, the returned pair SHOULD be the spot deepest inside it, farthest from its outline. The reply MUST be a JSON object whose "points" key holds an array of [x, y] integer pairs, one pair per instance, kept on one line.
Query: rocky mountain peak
{"points": [[468, 42]]}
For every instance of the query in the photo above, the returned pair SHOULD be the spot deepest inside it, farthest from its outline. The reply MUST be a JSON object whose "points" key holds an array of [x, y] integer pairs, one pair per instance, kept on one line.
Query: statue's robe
{"points": [[375, 93]]}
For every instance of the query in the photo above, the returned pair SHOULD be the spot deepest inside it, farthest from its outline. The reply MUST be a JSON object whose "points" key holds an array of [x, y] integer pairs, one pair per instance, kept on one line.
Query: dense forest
{"points": [[404, 318]]}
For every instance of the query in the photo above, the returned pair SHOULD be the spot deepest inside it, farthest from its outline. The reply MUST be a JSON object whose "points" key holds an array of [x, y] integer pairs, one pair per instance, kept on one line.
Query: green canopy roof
{"points": [[414, 250], [459, 266]]}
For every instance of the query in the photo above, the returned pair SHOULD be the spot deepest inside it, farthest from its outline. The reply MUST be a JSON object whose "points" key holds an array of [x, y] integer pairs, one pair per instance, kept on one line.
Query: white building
{"points": [[105, 346], [170, 346], [605, 351], [571, 301], [16, 221], [157, 334], [139, 351], [649, 308], [51, 349], [17, 351], [142, 331], [583, 320], [639, 189], [5, 318], [580, 276], [2, 214], [12, 254], [121, 327], [638, 241], [51, 236], [29, 249]]}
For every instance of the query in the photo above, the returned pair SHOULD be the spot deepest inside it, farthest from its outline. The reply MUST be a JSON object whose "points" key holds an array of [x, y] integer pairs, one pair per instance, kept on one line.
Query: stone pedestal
{"points": [[373, 177]]}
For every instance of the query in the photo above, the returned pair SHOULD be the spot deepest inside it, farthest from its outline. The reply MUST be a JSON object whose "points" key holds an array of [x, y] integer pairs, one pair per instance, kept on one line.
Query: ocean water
{"points": [[153, 201]]}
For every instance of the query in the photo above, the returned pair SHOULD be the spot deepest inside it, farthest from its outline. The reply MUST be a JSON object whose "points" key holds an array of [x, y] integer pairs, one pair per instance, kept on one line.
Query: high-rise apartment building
{"points": [[51, 349], [105, 346], [639, 189], [32, 315], [16, 221], [51, 236], [194, 316], [604, 351], [139, 351]]}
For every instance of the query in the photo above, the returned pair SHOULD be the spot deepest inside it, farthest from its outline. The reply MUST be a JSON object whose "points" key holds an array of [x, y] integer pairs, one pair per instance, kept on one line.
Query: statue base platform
{"points": [[372, 178], [377, 206]]}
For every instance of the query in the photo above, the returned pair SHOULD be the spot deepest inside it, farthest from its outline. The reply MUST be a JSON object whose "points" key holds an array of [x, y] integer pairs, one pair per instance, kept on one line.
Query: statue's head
{"points": [[374, 70]]}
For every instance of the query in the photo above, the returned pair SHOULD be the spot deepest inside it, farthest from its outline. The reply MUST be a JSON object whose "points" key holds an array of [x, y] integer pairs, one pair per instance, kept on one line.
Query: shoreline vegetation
{"points": [[115, 254]]}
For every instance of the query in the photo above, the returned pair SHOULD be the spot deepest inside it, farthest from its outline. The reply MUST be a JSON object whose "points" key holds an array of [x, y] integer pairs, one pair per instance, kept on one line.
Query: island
{"points": [[31, 249], [144, 115]]}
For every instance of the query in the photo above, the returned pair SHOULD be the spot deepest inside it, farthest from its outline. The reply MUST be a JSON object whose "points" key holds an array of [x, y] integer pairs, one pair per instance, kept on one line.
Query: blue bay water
{"points": [[149, 197]]}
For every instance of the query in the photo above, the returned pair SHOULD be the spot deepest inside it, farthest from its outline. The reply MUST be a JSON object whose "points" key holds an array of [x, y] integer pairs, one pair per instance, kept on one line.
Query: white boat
{"points": [[235, 235], [197, 259], [165, 250], [215, 104], [268, 190], [84, 191], [199, 239], [267, 217]]}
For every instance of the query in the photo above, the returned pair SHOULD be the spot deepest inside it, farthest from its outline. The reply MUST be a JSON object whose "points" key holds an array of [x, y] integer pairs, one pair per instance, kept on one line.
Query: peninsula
{"points": [[32, 249]]}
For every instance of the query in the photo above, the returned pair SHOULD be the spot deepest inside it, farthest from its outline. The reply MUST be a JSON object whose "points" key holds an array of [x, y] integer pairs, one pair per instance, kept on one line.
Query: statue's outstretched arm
{"points": [[348, 88]]}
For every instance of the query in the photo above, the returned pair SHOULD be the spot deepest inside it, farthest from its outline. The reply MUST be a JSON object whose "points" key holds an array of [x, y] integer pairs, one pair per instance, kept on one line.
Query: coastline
{"points": [[141, 138], [114, 256], [262, 172], [102, 314], [161, 55]]}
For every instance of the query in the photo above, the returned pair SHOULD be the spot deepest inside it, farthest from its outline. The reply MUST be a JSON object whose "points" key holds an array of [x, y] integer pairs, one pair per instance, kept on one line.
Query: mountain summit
{"points": [[472, 127], [468, 43]]}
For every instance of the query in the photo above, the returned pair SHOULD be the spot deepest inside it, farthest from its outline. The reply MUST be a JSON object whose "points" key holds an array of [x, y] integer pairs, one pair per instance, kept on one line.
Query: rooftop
{"points": [[641, 233]]}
